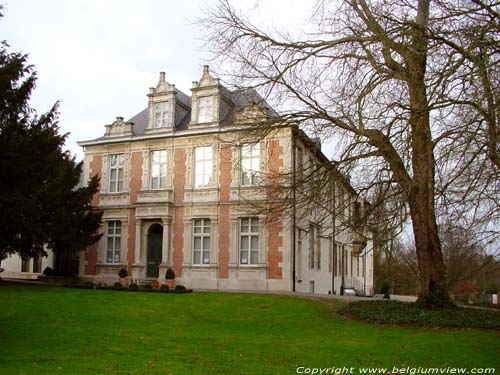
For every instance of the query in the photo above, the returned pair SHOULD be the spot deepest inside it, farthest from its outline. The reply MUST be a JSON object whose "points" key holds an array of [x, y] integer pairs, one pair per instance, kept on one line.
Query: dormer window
{"points": [[160, 115], [205, 109]]}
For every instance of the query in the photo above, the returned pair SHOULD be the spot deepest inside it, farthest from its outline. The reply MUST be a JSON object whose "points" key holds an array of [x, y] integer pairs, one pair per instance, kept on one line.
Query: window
{"points": [[37, 264], [250, 164], [338, 259], [318, 247], [344, 260], [116, 173], [357, 213], [158, 169], [249, 241], [312, 244], [25, 265], [160, 116], [203, 166], [113, 237], [364, 266], [299, 255], [300, 164], [330, 256], [201, 241], [205, 109]]}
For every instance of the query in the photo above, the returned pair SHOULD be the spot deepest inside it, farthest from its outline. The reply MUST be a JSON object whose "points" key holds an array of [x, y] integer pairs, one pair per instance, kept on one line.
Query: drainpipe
{"points": [[343, 265], [334, 249], [294, 224]]}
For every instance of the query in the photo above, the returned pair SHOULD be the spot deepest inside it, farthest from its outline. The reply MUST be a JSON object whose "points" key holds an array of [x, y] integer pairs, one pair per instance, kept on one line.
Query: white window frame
{"points": [[160, 118], [249, 256], [205, 109], [116, 172], [250, 164], [201, 232], [113, 241], [203, 166], [158, 170]]}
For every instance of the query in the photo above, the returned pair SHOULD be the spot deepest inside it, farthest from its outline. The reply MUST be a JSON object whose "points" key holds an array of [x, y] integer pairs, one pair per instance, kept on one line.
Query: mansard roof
{"points": [[239, 98]]}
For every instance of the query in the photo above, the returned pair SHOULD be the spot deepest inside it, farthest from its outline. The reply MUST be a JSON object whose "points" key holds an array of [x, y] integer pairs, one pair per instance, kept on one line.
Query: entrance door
{"points": [[155, 235]]}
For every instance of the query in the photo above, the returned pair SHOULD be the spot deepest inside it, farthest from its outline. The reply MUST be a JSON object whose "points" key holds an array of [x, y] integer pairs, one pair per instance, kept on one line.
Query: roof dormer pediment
{"points": [[162, 86], [206, 79], [119, 128]]}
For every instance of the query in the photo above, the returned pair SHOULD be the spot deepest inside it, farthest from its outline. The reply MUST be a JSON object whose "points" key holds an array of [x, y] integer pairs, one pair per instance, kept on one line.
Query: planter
{"points": [[125, 281], [170, 283]]}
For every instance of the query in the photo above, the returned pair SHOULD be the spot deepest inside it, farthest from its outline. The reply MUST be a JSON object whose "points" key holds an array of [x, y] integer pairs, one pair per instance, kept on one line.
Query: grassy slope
{"points": [[55, 330]]}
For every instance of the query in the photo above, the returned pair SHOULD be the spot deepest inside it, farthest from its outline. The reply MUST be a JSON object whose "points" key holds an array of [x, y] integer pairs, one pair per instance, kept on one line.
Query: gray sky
{"points": [[99, 57]]}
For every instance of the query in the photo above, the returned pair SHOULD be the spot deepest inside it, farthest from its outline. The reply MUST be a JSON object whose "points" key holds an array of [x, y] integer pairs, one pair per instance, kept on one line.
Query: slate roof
{"points": [[239, 98]]}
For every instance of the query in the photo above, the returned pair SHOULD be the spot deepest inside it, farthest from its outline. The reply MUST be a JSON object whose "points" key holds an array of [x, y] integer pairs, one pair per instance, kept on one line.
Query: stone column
{"points": [[165, 241], [138, 235]]}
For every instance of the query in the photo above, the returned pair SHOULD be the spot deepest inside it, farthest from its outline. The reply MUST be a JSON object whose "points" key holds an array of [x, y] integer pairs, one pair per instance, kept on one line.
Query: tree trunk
{"points": [[433, 290]]}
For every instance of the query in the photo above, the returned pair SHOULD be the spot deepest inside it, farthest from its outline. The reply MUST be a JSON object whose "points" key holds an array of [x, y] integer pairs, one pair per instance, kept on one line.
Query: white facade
{"points": [[17, 268]]}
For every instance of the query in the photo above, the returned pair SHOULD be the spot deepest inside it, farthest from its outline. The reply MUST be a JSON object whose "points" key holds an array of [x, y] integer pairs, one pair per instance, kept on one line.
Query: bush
{"points": [[386, 288], [48, 271], [133, 286], [170, 274], [395, 312], [89, 285], [164, 288], [182, 289], [123, 273], [117, 285]]}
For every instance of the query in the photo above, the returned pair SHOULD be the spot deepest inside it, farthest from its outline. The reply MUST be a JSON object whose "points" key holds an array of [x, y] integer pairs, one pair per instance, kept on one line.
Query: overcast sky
{"points": [[100, 57]]}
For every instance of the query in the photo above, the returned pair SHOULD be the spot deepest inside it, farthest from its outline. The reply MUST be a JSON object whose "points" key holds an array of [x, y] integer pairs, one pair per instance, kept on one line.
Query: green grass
{"points": [[396, 312], [46, 330]]}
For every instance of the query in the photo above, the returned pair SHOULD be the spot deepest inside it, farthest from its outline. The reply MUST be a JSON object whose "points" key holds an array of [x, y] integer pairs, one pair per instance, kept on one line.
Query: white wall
{"points": [[12, 266]]}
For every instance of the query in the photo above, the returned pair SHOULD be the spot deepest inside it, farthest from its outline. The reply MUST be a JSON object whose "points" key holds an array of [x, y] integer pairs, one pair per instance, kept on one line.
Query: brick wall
{"points": [[91, 253], [224, 225], [135, 186], [179, 182], [275, 220]]}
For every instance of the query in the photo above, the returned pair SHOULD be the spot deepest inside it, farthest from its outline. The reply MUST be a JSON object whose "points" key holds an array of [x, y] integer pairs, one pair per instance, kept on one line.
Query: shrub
{"points": [[48, 271], [170, 275], [117, 285], [182, 289], [164, 288], [386, 288], [123, 273], [89, 285], [133, 286], [395, 312]]}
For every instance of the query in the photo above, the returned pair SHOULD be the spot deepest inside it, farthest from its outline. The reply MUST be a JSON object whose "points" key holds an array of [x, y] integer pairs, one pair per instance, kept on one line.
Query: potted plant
{"points": [[123, 275], [386, 288], [170, 277]]}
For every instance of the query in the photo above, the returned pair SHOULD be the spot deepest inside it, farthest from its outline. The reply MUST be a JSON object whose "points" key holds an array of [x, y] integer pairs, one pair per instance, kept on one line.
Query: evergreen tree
{"points": [[42, 204]]}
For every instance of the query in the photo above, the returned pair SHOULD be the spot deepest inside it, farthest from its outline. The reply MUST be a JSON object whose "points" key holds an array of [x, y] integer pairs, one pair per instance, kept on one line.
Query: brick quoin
{"points": [[135, 186], [275, 220], [178, 226], [224, 227], [91, 253]]}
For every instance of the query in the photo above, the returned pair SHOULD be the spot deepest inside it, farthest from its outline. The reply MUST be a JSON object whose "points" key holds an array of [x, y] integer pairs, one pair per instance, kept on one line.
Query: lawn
{"points": [[49, 330]]}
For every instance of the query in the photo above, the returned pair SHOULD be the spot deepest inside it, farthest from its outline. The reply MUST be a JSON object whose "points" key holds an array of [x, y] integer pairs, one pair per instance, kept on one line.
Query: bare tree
{"points": [[401, 89]]}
